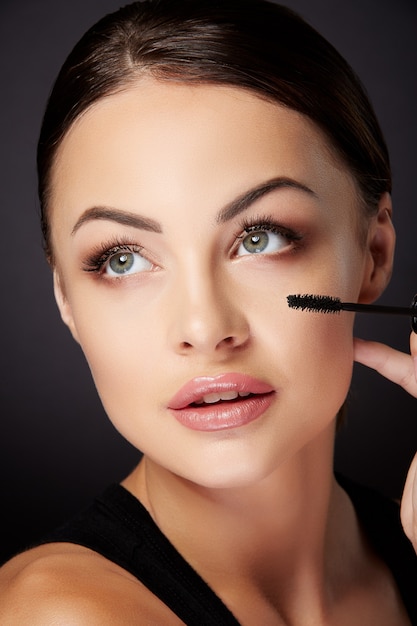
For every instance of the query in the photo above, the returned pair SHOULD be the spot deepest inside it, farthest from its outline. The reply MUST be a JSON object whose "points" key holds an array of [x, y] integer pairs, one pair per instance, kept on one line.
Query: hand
{"points": [[400, 368]]}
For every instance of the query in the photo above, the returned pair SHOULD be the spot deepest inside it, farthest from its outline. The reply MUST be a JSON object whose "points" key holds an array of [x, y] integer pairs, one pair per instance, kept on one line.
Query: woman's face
{"points": [[182, 217]]}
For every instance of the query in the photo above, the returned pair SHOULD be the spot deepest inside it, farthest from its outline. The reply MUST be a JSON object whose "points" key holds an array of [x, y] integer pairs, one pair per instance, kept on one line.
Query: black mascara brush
{"points": [[328, 304]]}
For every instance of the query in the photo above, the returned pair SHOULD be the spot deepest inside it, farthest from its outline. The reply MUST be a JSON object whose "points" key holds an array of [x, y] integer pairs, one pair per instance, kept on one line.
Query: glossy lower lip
{"points": [[222, 415]]}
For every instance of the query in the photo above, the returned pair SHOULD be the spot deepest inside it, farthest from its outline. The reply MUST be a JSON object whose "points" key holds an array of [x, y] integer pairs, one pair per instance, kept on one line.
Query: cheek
{"points": [[118, 341], [311, 358], [315, 352], [310, 354], [326, 356]]}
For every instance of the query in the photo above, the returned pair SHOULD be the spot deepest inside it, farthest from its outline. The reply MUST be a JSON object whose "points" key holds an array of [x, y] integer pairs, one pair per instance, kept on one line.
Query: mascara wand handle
{"points": [[378, 308]]}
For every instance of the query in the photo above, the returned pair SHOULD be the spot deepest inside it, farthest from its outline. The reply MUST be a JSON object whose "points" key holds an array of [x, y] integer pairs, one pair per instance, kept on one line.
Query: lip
{"points": [[186, 408]]}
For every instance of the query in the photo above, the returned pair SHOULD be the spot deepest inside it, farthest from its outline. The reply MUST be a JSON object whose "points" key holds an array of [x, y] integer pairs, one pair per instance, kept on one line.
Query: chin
{"points": [[229, 469]]}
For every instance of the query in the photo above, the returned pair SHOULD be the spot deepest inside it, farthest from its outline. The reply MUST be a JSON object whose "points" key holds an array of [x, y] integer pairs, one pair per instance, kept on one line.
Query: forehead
{"points": [[158, 137]]}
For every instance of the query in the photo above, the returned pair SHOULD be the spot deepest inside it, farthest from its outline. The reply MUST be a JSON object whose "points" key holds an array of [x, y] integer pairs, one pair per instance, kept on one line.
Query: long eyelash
{"points": [[98, 258], [249, 225]]}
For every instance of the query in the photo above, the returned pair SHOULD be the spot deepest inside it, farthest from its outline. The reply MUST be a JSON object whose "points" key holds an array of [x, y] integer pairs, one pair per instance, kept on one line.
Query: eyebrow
{"points": [[241, 203], [116, 215], [228, 212]]}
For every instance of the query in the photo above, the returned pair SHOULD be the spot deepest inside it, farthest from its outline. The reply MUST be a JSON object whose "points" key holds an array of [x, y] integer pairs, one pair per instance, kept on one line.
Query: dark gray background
{"points": [[57, 448]]}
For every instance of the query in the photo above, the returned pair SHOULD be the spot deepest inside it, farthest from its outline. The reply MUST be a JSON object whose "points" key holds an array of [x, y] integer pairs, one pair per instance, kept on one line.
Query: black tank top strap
{"points": [[119, 527]]}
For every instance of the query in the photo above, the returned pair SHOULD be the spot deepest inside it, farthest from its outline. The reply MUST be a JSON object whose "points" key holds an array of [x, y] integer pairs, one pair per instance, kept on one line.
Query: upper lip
{"points": [[195, 390]]}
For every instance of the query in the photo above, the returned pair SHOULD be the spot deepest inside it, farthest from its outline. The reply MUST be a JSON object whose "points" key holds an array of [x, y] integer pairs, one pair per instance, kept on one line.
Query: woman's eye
{"points": [[126, 262], [262, 241]]}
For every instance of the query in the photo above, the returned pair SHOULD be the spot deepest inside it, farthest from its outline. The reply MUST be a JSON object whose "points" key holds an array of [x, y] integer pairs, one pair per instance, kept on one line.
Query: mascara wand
{"points": [[328, 304]]}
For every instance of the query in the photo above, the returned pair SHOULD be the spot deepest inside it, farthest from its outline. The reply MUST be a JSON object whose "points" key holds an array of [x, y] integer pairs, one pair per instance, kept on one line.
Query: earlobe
{"points": [[380, 247], [63, 305]]}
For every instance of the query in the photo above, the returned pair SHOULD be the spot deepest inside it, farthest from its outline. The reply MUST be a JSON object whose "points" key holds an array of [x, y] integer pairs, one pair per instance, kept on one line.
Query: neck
{"points": [[285, 528], [288, 545]]}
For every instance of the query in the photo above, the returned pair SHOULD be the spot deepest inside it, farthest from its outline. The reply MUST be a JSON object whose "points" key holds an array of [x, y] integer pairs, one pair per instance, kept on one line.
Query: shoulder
{"points": [[67, 583]]}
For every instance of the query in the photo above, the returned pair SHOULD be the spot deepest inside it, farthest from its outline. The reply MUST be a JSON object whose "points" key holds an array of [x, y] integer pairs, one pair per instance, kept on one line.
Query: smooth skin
{"points": [[255, 509]]}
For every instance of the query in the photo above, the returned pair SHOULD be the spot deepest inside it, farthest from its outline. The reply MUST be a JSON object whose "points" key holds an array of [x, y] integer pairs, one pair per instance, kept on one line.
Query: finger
{"points": [[413, 350], [409, 504], [392, 364], [413, 344]]}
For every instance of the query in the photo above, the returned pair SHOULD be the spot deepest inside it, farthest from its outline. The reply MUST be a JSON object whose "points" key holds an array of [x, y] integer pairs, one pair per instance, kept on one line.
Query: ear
{"points": [[63, 305], [380, 247]]}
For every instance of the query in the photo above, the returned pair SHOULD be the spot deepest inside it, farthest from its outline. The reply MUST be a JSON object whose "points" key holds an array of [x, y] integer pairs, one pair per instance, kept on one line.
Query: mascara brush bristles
{"points": [[322, 304], [328, 304]]}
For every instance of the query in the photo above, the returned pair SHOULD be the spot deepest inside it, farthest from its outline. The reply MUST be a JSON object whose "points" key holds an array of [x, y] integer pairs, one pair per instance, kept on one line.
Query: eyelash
{"points": [[267, 223], [97, 260]]}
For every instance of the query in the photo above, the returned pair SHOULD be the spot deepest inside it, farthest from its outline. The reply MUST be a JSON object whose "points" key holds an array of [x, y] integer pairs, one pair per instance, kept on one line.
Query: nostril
{"points": [[226, 342], [210, 332]]}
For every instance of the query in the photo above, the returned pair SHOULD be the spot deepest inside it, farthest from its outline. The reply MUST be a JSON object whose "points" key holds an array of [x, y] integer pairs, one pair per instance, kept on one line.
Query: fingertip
{"points": [[414, 318], [413, 343], [360, 350], [413, 350], [358, 343]]}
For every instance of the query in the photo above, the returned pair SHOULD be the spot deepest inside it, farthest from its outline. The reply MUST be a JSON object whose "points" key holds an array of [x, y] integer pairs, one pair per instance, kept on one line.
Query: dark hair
{"points": [[252, 44]]}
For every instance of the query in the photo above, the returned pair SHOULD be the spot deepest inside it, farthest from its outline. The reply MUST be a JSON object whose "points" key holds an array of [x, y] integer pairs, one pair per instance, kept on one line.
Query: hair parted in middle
{"points": [[251, 44]]}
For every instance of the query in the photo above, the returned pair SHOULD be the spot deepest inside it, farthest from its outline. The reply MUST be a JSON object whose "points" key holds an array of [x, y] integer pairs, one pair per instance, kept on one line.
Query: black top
{"points": [[117, 526]]}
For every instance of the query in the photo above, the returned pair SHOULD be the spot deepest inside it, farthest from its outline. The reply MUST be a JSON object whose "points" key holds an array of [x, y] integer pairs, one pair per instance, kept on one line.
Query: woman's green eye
{"points": [[126, 262], [262, 242]]}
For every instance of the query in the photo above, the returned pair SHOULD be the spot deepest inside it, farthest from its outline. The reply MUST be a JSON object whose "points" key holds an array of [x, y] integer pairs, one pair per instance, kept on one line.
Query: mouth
{"points": [[222, 402], [226, 396]]}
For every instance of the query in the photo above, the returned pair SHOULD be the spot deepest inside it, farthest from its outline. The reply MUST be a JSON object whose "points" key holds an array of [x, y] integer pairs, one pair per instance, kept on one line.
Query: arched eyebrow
{"points": [[243, 202], [228, 212], [117, 215]]}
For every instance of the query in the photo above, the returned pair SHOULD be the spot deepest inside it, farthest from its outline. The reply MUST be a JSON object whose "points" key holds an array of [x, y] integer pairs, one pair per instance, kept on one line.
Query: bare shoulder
{"points": [[66, 583]]}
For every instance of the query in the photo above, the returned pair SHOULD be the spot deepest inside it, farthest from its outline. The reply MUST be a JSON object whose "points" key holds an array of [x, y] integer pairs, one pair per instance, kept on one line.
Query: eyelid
{"points": [[96, 260], [266, 224], [249, 225]]}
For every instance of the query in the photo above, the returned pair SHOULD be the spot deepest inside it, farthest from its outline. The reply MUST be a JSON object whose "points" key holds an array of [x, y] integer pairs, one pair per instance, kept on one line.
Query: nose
{"points": [[208, 317]]}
